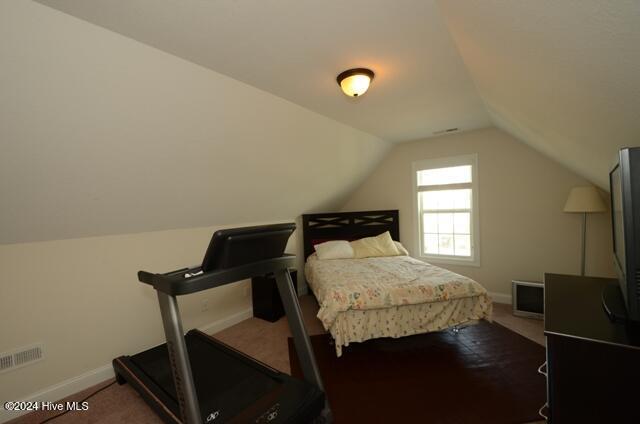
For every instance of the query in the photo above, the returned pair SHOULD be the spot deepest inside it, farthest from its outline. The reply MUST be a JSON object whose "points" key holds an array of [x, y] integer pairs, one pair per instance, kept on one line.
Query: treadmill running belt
{"points": [[231, 387], [224, 384]]}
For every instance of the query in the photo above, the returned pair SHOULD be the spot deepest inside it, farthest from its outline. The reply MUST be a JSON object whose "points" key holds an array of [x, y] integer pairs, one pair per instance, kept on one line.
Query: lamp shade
{"points": [[584, 199]]}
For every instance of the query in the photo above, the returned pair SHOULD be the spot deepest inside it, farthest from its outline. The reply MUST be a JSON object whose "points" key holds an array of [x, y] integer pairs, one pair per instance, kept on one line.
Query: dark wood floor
{"points": [[263, 340]]}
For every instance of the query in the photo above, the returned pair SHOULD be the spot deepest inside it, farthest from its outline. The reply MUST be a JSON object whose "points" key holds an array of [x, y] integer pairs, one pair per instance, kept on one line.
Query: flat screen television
{"points": [[622, 302]]}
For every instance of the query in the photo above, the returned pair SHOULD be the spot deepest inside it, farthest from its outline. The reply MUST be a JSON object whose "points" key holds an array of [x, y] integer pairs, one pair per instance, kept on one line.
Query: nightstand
{"points": [[267, 304]]}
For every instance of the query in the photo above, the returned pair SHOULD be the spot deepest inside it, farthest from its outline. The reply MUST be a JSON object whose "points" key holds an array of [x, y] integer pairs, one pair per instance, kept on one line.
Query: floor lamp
{"points": [[584, 200]]}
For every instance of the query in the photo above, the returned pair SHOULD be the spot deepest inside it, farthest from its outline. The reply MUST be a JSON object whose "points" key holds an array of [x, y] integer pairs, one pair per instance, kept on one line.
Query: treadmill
{"points": [[196, 379]]}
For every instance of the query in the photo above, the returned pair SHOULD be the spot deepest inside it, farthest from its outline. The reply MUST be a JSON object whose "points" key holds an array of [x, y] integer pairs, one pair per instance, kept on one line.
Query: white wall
{"points": [[523, 231], [128, 158]]}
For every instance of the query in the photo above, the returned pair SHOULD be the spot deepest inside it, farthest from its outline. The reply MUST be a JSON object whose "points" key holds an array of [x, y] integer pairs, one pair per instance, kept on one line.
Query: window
{"points": [[446, 195]]}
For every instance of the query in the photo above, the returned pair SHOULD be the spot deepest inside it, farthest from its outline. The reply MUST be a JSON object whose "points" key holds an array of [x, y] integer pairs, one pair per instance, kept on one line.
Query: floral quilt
{"points": [[433, 298]]}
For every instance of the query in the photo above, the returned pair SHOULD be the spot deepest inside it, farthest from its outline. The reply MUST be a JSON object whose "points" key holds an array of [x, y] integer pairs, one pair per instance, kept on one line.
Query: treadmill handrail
{"points": [[175, 284]]}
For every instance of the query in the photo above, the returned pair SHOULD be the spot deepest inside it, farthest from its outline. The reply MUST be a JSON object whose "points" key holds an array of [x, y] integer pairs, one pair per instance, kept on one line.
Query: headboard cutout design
{"points": [[320, 227]]}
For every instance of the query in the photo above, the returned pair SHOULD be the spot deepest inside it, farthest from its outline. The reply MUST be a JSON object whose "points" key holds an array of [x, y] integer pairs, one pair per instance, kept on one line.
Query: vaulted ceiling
{"points": [[101, 134], [98, 122], [561, 75], [295, 49]]}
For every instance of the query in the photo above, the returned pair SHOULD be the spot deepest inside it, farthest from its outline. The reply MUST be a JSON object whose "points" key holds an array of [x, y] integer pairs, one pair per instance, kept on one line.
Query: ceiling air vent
{"points": [[21, 357], [448, 130]]}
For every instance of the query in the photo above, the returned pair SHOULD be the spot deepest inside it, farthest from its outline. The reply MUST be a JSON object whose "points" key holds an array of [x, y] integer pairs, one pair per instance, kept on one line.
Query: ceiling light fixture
{"points": [[355, 82]]}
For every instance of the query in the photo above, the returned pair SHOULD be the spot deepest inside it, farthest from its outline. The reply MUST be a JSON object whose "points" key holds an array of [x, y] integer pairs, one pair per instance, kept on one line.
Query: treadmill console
{"points": [[239, 246]]}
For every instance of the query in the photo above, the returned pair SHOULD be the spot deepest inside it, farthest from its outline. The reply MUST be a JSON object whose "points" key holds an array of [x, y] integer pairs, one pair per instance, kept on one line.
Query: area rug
{"points": [[485, 373]]}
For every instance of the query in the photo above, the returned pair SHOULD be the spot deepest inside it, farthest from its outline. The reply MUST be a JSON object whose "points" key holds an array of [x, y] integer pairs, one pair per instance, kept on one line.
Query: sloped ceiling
{"points": [[100, 134], [563, 76], [296, 48]]}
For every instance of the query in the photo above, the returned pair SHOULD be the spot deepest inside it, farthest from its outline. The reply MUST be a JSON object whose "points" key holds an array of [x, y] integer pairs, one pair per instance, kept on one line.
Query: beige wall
{"points": [[81, 297], [523, 231], [101, 135]]}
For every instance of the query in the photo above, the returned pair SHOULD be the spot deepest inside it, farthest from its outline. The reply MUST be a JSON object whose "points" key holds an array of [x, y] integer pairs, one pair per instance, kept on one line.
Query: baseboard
{"points": [[63, 389], [501, 298], [105, 372], [221, 324]]}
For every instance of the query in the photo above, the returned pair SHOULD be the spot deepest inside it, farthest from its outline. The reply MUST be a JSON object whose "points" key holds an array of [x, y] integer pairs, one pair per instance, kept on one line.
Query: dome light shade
{"points": [[355, 82]]}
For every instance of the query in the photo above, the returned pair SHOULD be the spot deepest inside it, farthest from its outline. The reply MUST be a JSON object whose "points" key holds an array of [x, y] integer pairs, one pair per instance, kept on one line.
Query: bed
{"points": [[362, 299]]}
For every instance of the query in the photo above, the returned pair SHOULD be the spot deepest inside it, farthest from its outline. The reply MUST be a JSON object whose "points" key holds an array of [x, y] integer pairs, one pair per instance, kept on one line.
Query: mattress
{"points": [[362, 299]]}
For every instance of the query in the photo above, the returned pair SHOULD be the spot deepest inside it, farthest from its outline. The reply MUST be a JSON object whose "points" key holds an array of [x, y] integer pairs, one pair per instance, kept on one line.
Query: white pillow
{"points": [[335, 249], [403, 251]]}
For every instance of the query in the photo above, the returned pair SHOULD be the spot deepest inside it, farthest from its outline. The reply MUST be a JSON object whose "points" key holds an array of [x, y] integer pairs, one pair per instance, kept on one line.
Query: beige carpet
{"points": [[260, 339]]}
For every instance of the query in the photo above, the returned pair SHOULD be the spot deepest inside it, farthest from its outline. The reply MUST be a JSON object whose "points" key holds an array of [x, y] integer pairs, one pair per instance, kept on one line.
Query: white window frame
{"points": [[474, 259]]}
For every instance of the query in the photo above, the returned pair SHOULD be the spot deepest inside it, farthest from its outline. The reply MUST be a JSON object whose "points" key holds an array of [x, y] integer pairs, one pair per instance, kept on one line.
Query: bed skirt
{"points": [[356, 325]]}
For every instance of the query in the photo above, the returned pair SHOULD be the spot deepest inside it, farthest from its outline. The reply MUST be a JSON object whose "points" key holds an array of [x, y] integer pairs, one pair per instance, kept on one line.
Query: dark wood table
{"points": [[593, 364]]}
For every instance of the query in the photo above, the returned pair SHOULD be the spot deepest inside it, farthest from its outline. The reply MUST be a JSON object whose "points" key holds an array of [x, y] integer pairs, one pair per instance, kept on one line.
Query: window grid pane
{"points": [[435, 200], [447, 233]]}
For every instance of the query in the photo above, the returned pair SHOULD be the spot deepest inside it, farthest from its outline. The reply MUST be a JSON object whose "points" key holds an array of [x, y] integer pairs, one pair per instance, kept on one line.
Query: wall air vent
{"points": [[21, 357], [448, 130], [6, 362]]}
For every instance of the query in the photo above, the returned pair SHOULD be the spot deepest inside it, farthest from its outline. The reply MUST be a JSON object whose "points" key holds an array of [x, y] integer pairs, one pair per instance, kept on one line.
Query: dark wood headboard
{"points": [[319, 227]]}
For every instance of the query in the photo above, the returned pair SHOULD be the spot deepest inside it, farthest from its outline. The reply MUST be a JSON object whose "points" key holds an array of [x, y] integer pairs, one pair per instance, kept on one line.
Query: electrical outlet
{"points": [[205, 305]]}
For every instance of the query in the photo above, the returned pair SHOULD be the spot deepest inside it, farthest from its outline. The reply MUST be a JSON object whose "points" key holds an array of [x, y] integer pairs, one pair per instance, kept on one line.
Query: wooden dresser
{"points": [[593, 364]]}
